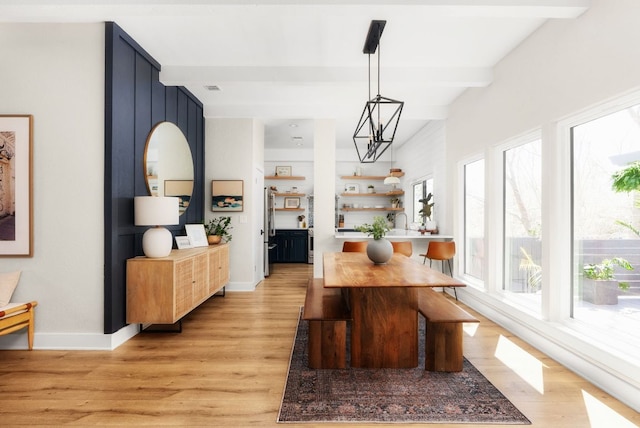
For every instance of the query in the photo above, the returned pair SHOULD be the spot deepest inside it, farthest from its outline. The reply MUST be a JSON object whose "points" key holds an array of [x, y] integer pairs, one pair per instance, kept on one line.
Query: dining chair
{"points": [[354, 247], [402, 247], [443, 251]]}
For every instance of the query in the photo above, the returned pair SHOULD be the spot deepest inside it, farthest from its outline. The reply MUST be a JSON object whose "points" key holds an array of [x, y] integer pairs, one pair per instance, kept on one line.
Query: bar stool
{"points": [[354, 246], [441, 251], [402, 247]]}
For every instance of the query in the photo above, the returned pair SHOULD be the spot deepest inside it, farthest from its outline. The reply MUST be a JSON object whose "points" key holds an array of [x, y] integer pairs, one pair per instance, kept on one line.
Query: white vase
{"points": [[379, 251]]}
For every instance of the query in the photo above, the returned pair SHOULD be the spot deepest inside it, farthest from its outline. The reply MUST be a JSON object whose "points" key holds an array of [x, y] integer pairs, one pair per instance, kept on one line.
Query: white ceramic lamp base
{"points": [[157, 242]]}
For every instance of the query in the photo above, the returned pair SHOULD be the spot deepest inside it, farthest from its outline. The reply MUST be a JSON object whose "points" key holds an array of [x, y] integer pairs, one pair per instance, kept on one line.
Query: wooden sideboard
{"points": [[163, 290]]}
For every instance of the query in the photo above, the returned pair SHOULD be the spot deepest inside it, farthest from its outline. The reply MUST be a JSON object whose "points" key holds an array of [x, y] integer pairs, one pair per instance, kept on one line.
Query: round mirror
{"points": [[168, 164]]}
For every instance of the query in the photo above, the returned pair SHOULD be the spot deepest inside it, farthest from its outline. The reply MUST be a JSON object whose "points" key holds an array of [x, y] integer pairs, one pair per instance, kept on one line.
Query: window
{"points": [[605, 224], [420, 191], [522, 266], [474, 219]]}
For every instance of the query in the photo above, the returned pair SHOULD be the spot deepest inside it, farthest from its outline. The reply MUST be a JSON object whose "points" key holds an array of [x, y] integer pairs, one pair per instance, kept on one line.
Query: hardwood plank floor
{"points": [[228, 368]]}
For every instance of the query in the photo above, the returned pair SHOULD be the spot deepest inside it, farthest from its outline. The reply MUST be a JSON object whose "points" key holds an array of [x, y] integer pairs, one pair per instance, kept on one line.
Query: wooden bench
{"points": [[443, 343], [327, 313]]}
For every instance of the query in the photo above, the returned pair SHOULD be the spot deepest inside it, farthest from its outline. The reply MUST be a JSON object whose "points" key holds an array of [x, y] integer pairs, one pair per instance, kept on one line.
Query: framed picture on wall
{"points": [[16, 176], [227, 195], [351, 188], [291, 203], [283, 171]]}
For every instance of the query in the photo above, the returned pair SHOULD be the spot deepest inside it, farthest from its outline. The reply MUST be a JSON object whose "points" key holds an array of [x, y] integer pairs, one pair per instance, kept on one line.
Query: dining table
{"points": [[383, 300]]}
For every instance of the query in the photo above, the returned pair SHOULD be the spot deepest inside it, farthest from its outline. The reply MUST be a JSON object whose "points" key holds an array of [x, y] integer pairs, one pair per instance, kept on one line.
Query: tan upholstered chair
{"points": [[354, 247], [14, 316], [443, 251], [402, 247]]}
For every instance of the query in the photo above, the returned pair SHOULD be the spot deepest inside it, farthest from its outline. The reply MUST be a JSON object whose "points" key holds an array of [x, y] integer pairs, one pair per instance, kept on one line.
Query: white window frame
{"points": [[499, 223], [461, 246]]}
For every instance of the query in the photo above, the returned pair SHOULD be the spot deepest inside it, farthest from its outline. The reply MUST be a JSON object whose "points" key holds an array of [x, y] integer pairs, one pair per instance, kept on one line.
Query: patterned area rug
{"points": [[390, 395]]}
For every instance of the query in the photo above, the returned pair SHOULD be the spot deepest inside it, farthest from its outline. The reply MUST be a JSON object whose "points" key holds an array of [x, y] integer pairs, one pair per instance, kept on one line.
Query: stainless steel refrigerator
{"points": [[269, 229]]}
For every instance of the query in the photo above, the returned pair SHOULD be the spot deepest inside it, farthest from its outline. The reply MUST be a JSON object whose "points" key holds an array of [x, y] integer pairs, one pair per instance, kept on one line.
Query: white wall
{"points": [[56, 73], [234, 148], [563, 68]]}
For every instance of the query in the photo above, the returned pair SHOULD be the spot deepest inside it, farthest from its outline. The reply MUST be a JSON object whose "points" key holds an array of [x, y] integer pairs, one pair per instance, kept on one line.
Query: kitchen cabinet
{"points": [[291, 246]]}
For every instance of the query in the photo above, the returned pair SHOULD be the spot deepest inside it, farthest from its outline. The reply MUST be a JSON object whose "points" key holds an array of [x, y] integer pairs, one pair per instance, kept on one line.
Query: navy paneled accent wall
{"points": [[135, 101]]}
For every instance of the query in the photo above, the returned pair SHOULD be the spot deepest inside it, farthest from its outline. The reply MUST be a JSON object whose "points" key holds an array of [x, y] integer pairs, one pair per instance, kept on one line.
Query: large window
{"points": [[522, 275], [474, 219], [605, 225]]}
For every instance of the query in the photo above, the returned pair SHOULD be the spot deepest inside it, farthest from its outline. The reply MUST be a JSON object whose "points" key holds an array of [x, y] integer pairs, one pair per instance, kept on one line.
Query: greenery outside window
{"points": [[606, 220], [522, 256]]}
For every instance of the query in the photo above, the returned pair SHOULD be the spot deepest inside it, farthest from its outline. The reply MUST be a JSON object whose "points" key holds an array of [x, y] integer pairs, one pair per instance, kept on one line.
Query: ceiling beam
{"points": [[100, 10], [436, 76]]}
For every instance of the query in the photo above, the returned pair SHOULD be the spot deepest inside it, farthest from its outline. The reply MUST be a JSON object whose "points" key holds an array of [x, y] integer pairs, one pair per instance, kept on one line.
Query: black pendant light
{"points": [[379, 120]]}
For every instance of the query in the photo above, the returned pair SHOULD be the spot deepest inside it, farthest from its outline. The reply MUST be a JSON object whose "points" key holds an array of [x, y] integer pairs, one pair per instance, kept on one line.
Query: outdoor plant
{"points": [[628, 180], [426, 207], [220, 226], [604, 271], [378, 229]]}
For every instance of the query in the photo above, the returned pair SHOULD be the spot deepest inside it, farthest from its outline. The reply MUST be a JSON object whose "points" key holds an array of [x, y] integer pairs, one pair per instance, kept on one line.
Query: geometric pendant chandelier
{"points": [[378, 123]]}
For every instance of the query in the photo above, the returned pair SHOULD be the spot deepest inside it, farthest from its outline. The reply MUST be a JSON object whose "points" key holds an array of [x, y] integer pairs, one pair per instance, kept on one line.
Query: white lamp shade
{"points": [[392, 180], [155, 211]]}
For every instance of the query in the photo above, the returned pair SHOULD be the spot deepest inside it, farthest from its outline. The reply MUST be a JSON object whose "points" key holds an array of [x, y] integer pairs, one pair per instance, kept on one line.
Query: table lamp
{"points": [[156, 211]]}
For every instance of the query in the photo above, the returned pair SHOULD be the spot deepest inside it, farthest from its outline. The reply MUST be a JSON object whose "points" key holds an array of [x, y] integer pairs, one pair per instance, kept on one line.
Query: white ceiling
{"points": [[291, 61]]}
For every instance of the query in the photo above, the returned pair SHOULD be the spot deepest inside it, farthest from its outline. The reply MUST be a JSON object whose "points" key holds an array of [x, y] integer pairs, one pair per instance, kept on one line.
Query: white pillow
{"points": [[8, 283]]}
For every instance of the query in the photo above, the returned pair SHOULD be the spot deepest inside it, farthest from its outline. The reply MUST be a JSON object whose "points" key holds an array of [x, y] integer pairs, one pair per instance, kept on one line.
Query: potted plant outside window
{"points": [[379, 250], [426, 211], [599, 285], [218, 230]]}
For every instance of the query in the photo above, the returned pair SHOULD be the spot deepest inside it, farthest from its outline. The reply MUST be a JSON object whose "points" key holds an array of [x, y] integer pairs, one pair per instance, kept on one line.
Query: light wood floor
{"points": [[228, 368]]}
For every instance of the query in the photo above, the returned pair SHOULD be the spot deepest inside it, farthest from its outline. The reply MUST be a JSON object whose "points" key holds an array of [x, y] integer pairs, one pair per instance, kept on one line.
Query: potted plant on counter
{"points": [[218, 230], [599, 285], [379, 250]]}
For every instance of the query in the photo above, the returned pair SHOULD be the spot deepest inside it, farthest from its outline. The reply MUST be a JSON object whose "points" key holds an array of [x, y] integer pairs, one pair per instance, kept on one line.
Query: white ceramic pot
{"points": [[379, 251]]}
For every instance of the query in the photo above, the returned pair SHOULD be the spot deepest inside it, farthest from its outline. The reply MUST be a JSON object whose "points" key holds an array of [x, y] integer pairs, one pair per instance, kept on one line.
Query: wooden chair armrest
{"points": [[18, 308]]}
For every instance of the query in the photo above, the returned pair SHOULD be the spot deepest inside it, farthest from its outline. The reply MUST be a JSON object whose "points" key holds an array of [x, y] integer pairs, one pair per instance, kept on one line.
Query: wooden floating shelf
{"points": [[289, 194], [284, 177], [289, 209], [372, 209], [393, 193], [371, 177]]}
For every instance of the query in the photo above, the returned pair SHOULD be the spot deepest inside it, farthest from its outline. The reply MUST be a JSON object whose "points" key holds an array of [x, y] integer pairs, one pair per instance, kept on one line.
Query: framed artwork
{"points": [[16, 185], [182, 189], [226, 195], [283, 171], [183, 242], [292, 203], [196, 234], [351, 188]]}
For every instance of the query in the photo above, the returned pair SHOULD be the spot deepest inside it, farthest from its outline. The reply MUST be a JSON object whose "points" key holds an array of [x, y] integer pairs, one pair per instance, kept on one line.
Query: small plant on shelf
{"points": [[220, 226], [378, 229]]}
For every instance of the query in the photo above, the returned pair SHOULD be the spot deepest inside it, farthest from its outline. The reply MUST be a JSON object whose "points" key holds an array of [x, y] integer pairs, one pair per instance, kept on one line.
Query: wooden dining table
{"points": [[383, 299]]}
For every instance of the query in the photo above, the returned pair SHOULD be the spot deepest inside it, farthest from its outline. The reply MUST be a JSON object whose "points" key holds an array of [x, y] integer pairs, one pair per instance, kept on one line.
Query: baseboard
{"points": [[70, 341], [240, 286]]}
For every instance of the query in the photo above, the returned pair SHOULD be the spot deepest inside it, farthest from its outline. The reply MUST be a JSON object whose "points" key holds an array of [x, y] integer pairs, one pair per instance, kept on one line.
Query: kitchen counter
{"points": [[391, 235]]}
